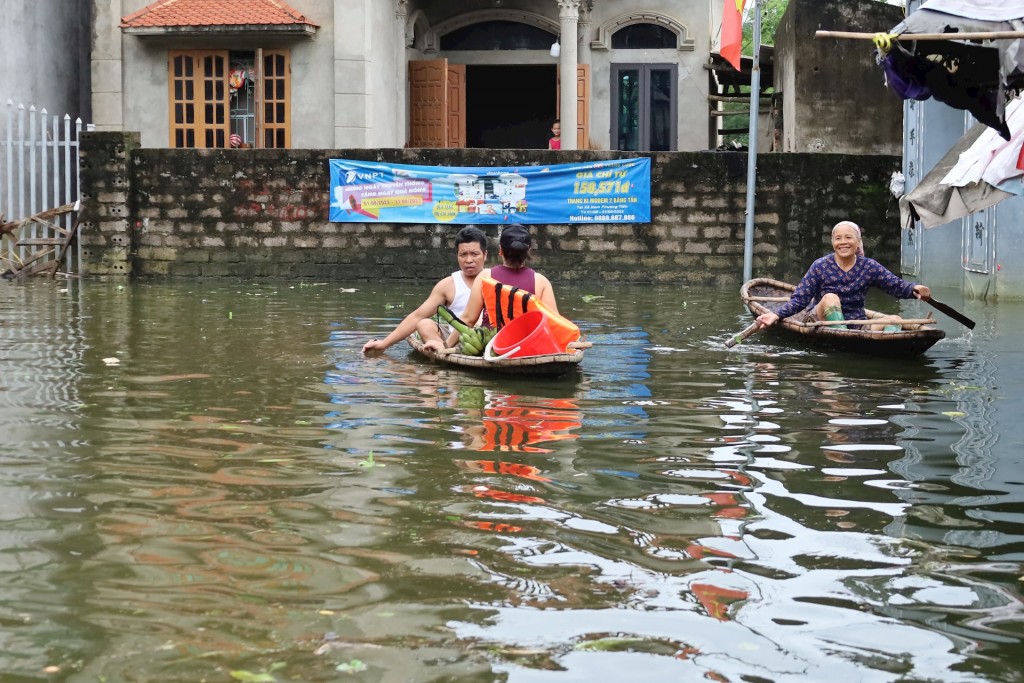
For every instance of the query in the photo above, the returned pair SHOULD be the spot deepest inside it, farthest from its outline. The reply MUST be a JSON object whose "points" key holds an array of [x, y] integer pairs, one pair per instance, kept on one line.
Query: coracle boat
{"points": [[763, 295], [546, 365], [530, 338]]}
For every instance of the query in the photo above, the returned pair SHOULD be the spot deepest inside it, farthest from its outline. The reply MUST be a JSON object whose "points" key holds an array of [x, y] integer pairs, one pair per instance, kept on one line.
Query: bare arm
{"points": [[442, 294], [546, 292]]}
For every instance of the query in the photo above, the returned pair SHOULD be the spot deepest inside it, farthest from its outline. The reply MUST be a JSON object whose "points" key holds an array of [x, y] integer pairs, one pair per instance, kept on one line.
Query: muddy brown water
{"points": [[208, 482]]}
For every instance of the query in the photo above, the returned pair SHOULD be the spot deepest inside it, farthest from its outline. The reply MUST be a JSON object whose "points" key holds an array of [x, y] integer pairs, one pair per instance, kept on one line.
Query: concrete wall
{"points": [[263, 213], [834, 96], [45, 46]]}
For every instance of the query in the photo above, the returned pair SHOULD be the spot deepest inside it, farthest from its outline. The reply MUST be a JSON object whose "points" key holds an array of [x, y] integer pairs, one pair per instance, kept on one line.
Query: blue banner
{"points": [[617, 191]]}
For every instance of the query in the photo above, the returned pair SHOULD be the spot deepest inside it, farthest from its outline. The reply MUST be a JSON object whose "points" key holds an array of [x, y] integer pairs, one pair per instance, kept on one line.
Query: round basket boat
{"points": [[762, 295]]}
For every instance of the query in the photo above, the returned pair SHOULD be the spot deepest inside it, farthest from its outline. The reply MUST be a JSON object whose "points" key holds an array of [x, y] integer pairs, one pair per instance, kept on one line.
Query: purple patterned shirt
{"points": [[825, 276]]}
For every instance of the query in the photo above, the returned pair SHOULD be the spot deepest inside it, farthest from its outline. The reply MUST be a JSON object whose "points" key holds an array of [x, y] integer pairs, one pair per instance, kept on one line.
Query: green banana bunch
{"points": [[472, 343], [472, 340]]}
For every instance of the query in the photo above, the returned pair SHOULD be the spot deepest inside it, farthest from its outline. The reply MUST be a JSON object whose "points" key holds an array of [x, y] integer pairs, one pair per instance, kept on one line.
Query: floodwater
{"points": [[208, 482]]}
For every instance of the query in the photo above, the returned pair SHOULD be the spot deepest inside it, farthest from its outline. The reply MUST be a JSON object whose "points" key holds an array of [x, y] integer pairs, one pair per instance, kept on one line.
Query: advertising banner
{"points": [[617, 191]]}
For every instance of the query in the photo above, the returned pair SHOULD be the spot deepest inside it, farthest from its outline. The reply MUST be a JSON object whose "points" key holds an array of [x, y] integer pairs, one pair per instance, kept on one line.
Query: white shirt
{"points": [[461, 299]]}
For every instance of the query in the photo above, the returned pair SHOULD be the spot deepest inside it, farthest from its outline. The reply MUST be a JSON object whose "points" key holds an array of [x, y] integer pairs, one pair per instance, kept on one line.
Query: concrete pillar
{"points": [[106, 224], [568, 20], [106, 67], [352, 73], [585, 53]]}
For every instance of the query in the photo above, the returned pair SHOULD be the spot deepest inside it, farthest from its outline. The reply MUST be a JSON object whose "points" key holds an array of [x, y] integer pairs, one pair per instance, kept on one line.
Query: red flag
{"points": [[732, 32]]}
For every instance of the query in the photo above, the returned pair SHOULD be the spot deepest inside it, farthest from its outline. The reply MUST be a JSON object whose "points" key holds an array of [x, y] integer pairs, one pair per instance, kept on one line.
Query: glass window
{"points": [[644, 36], [498, 35], [644, 107], [216, 101]]}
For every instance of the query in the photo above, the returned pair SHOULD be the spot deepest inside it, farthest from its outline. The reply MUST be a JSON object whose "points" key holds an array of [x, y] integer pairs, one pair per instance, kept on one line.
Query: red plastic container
{"points": [[527, 335]]}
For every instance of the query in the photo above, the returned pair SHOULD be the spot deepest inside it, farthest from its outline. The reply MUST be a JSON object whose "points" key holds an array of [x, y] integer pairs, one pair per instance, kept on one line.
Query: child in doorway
{"points": [[556, 136]]}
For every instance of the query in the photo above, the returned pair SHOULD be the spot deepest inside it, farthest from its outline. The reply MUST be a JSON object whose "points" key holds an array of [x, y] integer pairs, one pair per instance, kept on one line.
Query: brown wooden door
{"points": [[582, 106], [582, 103], [428, 103], [456, 105]]}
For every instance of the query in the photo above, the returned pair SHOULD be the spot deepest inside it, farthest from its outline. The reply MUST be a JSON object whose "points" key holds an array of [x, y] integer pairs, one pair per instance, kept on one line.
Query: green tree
{"points": [[771, 15]]}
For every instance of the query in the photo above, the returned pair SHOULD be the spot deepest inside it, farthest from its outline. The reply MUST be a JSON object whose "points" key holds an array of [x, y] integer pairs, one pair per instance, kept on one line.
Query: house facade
{"points": [[407, 73]]}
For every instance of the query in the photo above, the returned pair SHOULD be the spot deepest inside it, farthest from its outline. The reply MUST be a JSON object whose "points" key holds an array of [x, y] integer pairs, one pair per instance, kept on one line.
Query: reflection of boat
{"points": [[762, 295], [551, 364]]}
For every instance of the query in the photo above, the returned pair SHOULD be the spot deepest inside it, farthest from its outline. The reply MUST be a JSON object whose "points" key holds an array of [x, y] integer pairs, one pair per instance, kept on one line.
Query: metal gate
{"points": [[39, 176]]}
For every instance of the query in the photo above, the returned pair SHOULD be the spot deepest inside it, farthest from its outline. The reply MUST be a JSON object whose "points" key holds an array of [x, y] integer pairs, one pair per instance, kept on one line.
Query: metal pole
{"points": [[755, 106]]}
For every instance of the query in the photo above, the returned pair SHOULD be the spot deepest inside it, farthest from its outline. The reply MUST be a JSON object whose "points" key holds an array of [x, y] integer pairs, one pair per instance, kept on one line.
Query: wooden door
{"points": [[582, 103], [428, 103], [582, 106], [456, 105]]}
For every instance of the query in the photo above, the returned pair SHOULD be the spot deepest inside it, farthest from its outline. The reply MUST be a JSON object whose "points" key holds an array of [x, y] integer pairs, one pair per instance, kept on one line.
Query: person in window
{"points": [[556, 136], [837, 285], [453, 292]]}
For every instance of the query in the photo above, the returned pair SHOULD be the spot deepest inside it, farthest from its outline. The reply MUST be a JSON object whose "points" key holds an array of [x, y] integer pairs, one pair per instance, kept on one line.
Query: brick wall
{"points": [[263, 214]]}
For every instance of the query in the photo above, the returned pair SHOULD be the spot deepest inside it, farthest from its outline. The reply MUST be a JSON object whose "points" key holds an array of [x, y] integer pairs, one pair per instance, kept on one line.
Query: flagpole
{"points": [[755, 106]]}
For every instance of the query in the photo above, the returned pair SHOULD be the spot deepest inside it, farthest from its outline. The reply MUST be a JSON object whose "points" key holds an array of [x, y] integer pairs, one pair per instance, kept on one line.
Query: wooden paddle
{"points": [[749, 330], [951, 312]]}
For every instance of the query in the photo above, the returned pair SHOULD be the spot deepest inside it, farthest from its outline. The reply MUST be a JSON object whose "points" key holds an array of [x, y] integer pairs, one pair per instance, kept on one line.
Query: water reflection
{"points": [[244, 492]]}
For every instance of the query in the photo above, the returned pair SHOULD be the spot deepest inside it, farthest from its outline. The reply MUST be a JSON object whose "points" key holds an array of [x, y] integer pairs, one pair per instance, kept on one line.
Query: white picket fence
{"points": [[39, 170]]}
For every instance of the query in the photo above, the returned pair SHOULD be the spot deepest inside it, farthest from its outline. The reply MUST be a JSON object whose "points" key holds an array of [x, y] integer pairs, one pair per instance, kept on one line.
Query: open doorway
{"points": [[510, 107]]}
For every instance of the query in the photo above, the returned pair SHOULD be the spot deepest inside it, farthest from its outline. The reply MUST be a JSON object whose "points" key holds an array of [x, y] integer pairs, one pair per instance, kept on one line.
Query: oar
{"points": [[749, 330], [951, 312]]}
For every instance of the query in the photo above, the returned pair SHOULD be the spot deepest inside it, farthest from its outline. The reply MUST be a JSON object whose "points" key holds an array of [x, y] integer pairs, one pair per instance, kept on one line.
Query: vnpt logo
{"points": [[356, 175]]}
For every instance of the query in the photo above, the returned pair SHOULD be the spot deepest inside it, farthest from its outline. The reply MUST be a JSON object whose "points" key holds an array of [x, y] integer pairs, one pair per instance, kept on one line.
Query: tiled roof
{"points": [[182, 13]]}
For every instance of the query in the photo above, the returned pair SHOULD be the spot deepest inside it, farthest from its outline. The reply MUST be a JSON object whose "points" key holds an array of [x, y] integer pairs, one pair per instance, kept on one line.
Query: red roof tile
{"points": [[169, 13]]}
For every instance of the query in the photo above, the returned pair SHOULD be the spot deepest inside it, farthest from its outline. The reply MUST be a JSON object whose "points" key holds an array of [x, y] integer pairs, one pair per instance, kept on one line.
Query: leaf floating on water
{"points": [[369, 462], [609, 644], [351, 667], [591, 297], [954, 413], [250, 677]]}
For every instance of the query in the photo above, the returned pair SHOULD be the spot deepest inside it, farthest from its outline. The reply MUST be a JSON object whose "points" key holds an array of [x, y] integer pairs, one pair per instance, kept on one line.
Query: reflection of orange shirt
{"points": [[514, 428], [505, 496], [513, 468]]}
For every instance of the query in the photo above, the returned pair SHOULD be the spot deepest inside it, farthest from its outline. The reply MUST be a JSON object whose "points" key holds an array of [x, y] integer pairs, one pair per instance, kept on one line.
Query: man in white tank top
{"points": [[453, 292]]}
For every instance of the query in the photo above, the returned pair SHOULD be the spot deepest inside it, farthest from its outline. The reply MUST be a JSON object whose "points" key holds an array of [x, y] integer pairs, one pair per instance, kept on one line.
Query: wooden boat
{"points": [[762, 295], [548, 365]]}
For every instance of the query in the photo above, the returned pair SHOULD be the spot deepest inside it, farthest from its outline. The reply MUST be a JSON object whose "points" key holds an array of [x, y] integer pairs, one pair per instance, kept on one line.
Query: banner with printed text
{"points": [[617, 191]]}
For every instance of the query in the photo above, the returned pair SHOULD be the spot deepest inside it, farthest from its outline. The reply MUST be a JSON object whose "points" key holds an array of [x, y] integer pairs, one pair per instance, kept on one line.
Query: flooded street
{"points": [[209, 482]]}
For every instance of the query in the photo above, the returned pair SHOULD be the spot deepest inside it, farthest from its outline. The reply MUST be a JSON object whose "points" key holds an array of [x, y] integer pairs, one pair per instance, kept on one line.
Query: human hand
{"points": [[922, 291], [433, 346], [374, 347], [767, 319]]}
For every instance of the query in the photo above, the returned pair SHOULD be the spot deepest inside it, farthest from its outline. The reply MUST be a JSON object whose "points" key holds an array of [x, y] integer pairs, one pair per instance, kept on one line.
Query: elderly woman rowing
{"points": [[836, 285]]}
